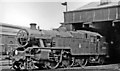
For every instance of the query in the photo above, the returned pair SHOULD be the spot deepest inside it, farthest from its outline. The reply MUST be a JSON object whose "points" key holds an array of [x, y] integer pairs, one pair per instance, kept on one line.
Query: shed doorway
{"points": [[77, 26]]}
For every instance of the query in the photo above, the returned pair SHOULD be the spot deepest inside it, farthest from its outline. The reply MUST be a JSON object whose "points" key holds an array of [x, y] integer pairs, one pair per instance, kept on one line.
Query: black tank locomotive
{"points": [[52, 49]]}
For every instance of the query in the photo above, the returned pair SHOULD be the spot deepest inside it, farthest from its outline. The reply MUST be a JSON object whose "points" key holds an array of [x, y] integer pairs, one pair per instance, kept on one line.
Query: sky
{"points": [[47, 14]]}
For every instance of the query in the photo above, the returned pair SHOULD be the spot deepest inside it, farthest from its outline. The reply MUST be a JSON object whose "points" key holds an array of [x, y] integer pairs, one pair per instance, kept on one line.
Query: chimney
{"points": [[33, 26], [102, 2]]}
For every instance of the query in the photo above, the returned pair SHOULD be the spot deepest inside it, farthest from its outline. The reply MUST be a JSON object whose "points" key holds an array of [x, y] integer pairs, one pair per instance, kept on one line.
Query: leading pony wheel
{"points": [[17, 65], [80, 62]]}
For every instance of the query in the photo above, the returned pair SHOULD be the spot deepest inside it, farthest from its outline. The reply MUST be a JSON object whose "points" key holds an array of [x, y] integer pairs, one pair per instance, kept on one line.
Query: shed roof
{"points": [[96, 5], [8, 29], [11, 26], [8, 33]]}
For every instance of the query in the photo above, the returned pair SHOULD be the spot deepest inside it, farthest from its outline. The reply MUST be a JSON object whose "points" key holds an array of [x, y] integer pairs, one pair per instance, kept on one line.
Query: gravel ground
{"points": [[112, 67]]}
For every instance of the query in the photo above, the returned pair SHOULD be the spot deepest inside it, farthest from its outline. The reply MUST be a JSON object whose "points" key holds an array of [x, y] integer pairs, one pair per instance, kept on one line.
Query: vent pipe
{"points": [[102, 2]]}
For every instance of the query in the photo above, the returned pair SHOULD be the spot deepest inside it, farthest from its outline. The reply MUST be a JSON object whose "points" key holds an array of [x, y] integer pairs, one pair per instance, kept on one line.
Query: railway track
{"points": [[111, 67]]}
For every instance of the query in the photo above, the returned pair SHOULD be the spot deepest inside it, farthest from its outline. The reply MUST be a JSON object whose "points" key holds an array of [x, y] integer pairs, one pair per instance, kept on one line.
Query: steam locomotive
{"points": [[51, 49]]}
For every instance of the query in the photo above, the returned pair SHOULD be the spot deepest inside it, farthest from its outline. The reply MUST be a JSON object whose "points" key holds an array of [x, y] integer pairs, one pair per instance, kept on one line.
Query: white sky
{"points": [[47, 14]]}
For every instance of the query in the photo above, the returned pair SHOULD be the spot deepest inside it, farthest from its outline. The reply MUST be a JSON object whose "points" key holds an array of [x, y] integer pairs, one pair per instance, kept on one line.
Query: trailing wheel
{"points": [[101, 60], [80, 62]]}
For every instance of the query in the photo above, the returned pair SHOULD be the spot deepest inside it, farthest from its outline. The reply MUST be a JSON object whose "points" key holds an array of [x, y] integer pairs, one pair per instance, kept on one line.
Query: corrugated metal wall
{"points": [[104, 14]]}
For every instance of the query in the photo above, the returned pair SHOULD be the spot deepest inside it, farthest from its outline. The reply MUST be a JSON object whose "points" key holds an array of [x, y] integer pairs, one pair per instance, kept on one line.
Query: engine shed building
{"points": [[8, 34], [90, 14], [99, 17]]}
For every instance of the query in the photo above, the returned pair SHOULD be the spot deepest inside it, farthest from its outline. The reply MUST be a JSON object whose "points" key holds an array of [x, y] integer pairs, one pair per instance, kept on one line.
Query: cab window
{"points": [[92, 39], [47, 42]]}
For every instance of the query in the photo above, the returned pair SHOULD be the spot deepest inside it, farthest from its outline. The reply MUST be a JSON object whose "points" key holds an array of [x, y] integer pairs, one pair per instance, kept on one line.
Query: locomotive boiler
{"points": [[54, 48]]}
